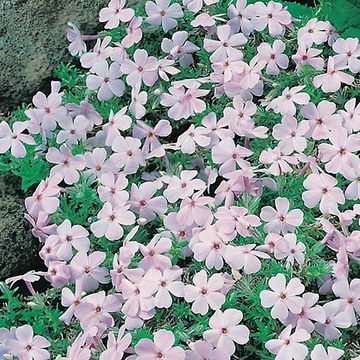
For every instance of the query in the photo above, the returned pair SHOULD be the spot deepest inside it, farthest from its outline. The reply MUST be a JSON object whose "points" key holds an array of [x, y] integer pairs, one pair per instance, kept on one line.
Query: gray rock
{"points": [[33, 42]]}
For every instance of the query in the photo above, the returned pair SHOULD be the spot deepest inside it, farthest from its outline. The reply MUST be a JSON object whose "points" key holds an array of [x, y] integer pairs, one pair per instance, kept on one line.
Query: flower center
{"points": [[28, 347], [98, 168], [98, 309], [282, 296], [203, 291], [87, 269], [224, 330], [162, 13], [142, 203]]}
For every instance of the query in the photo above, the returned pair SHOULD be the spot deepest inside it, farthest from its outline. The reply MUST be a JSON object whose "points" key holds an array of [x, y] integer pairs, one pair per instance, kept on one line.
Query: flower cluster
{"points": [[216, 156]]}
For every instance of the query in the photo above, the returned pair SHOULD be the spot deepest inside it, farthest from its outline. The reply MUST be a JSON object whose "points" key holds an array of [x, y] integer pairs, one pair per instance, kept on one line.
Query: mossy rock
{"points": [[18, 248]]}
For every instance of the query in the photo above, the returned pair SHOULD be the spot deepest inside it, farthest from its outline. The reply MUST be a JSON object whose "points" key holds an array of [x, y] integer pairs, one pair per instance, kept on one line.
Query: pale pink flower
{"points": [[196, 5], [240, 16], [335, 317], [127, 154], [352, 115], [138, 100], [281, 220], [112, 189], [97, 164], [288, 346], [58, 273], [166, 283], [349, 297], [71, 236], [142, 69], [115, 13], [153, 253], [118, 122], [322, 188], [77, 45], [218, 129], [86, 268], [166, 67], [285, 104], [116, 346], [73, 130], [106, 80], [272, 15], [101, 52], [229, 155], [184, 103], [313, 32], [26, 346], [134, 32], [14, 139], [29, 278], [71, 301], [283, 298], [162, 347], [67, 165], [183, 186], [110, 220], [143, 202], [310, 312], [321, 119], [273, 56], [193, 136], [291, 135], [41, 225], [278, 162], [205, 292], [319, 353], [333, 78], [294, 251], [306, 55], [203, 350], [352, 173], [226, 45], [339, 155], [225, 330], [87, 110], [179, 48], [161, 12], [274, 244], [349, 51]]}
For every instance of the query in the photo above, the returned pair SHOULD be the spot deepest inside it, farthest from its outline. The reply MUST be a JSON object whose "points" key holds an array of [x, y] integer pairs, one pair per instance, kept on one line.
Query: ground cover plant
{"points": [[194, 185]]}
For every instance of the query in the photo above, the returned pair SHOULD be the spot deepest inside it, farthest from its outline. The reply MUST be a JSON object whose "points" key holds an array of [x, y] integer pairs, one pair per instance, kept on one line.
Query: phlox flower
{"points": [[283, 298], [127, 154], [67, 165], [29, 278], [240, 15], [161, 12], [73, 130], [229, 155], [225, 330], [142, 69], [101, 52], [138, 100], [226, 45], [274, 244], [86, 268], [106, 80], [183, 186], [193, 136], [26, 346], [179, 48], [179, 228], [306, 55], [162, 347], [333, 78], [196, 5], [218, 129], [348, 51], [58, 273], [313, 32], [134, 32], [319, 353], [111, 217], [112, 189], [115, 347], [285, 104], [274, 57], [77, 45], [143, 202], [115, 13], [87, 110], [294, 251], [184, 103], [338, 155], [352, 173], [166, 67], [71, 301], [204, 350], [165, 283], [153, 253], [292, 135], [310, 312], [335, 317], [117, 122], [351, 116], [322, 188], [278, 162], [14, 139], [272, 15], [97, 164], [205, 292], [281, 220], [321, 119], [349, 297], [288, 346]]}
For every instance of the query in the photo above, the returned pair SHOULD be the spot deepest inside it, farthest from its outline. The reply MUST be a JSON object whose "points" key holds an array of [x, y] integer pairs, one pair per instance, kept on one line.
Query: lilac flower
{"points": [[319, 353], [240, 16], [87, 110], [97, 164], [349, 51], [115, 13], [73, 130], [58, 273], [193, 136], [116, 347], [118, 122], [71, 301], [306, 55], [313, 32], [279, 163], [112, 189], [294, 251], [101, 52], [274, 57], [134, 32]]}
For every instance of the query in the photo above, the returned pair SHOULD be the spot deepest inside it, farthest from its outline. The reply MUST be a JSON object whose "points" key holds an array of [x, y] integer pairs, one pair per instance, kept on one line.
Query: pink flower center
{"points": [[304, 57], [216, 246], [72, 132], [182, 233], [288, 96], [159, 355], [286, 342], [98, 309], [342, 151], [87, 269], [324, 190], [151, 253], [129, 153], [137, 291], [327, 321], [112, 190], [183, 185], [106, 79], [272, 56], [224, 330], [270, 16], [282, 296], [47, 110], [98, 168], [53, 272], [162, 13], [68, 237], [310, 31], [142, 203], [112, 217], [203, 291], [28, 347], [282, 218], [163, 283], [350, 300], [140, 69], [292, 251], [319, 121]]}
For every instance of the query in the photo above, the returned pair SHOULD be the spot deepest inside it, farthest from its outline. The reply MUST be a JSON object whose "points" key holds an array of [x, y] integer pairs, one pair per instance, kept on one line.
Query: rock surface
{"points": [[33, 42]]}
